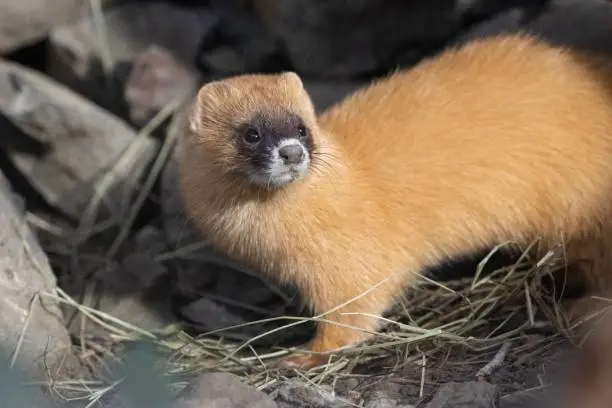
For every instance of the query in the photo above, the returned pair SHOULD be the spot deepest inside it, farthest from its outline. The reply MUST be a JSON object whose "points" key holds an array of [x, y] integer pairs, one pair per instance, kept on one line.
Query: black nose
{"points": [[291, 154]]}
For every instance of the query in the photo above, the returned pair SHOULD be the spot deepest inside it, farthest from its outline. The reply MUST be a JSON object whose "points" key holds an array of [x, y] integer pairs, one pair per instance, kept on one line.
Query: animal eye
{"points": [[251, 136], [302, 130]]}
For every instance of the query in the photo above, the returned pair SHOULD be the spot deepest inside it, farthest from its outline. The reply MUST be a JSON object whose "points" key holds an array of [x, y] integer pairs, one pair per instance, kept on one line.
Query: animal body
{"points": [[507, 138]]}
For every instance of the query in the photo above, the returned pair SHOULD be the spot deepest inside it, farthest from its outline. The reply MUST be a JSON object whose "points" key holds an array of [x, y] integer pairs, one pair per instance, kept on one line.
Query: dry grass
{"points": [[472, 313]]}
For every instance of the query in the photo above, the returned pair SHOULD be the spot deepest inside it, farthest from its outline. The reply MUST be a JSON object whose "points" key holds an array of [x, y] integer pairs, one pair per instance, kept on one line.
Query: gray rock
{"points": [[384, 403], [296, 394], [76, 57], [28, 304], [475, 394], [222, 390], [25, 22], [64, 144], [387, 394]]}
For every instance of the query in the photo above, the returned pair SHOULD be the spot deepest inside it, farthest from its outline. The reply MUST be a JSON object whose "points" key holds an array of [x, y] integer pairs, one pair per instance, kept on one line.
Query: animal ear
{"points": [[214, 91], [195, 116], [292, 79], [208, 98]]}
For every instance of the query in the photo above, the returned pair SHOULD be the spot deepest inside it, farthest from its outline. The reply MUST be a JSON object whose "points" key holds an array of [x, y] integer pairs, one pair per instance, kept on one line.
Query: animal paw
{"points": [[304, 362]]}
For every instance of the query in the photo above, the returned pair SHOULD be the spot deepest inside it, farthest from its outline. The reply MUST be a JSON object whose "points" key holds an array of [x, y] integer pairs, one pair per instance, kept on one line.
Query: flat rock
{"points": [[64, 144], [25, 22], [76, 58], [475, 394], [222, 390], [27, 290]]}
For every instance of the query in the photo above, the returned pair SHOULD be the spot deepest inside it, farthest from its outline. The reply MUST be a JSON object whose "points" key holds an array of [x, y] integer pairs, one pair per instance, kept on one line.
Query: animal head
{"points": [[259, 129]]}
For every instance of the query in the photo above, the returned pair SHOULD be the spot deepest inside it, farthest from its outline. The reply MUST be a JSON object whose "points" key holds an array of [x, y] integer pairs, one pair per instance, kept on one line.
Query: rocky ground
{"points": [[97, 253]]}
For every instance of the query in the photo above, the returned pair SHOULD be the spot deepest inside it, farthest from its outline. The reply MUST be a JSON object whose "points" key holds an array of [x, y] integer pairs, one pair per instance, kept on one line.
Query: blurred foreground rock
{"points": [[63, 144], [28, 305], [222, 390]]}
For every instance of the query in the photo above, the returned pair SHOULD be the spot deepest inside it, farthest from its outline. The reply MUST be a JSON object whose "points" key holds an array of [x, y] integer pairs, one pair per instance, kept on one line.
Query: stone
{"points": [[66, 146], [156, 80], [76, 58], [28, 298], [25, 22], [385, 394], [473, 394], [384, 403], [296, 394], [222, 390]]}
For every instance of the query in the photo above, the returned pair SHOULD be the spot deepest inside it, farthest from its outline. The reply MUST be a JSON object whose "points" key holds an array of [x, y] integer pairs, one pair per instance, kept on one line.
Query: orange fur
{"points": [[506, 138]]}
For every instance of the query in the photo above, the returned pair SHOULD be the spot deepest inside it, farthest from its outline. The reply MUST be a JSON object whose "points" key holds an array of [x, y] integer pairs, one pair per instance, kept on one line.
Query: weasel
{"points": [[504, 138]]}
